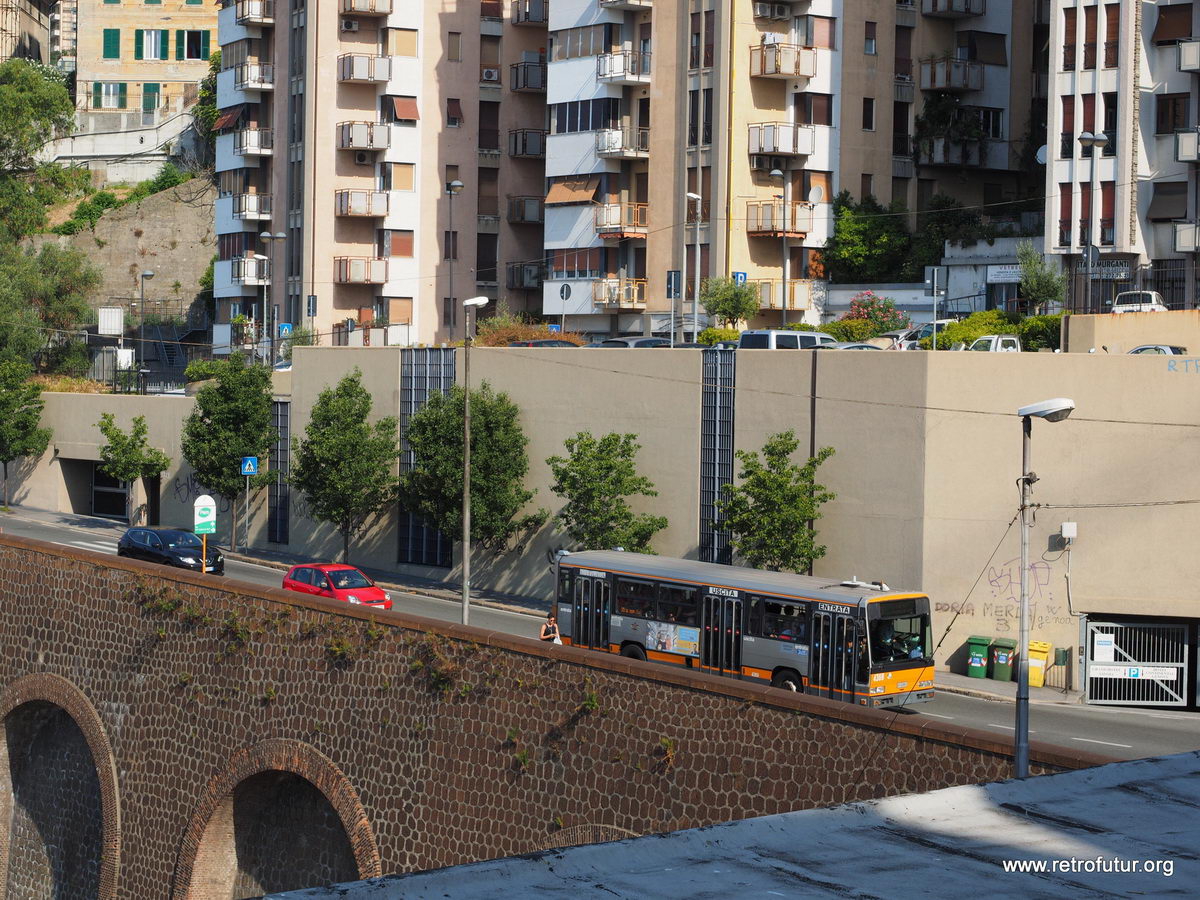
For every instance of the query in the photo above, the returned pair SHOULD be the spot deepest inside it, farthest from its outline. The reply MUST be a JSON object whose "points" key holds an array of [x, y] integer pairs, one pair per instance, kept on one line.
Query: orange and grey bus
{"points": [[861, 643]]}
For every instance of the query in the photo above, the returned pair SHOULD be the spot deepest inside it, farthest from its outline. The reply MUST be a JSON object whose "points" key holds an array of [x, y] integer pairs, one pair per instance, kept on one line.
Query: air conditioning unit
{"points": [[766, 163], [763, 10], [781, 11], [489, 75], [349, 24], [363, 158]]}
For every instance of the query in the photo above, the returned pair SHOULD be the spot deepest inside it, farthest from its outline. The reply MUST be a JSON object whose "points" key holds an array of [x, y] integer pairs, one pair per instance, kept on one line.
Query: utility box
{"points": [[977, 656], [1002, 659], [1039, 656]]}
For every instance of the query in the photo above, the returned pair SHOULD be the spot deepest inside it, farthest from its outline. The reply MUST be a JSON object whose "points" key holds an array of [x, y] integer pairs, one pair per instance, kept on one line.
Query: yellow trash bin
{"points": [[1039, 657]]}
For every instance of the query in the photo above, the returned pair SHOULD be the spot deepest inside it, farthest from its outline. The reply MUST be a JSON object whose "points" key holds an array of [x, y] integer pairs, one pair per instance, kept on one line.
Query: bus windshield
{"points": [[899, 637]]}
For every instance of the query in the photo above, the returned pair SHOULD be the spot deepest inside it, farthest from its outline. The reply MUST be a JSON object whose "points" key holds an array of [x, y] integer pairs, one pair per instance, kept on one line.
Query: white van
{"points": [[779, 339], [1138, 301]]}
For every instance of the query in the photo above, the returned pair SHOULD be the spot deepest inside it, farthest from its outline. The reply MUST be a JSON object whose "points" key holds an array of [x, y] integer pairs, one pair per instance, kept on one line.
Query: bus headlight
{"points": [[877, 689]]}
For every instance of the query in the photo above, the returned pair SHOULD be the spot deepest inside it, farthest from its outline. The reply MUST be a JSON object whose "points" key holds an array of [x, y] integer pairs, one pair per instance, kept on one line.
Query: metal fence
{"points": [[1093, 291], [1137, 664]]}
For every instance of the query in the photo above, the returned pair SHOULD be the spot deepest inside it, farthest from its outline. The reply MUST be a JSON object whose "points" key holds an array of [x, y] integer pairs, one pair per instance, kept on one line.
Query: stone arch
{"points": [[256, 778], [51, 710]]}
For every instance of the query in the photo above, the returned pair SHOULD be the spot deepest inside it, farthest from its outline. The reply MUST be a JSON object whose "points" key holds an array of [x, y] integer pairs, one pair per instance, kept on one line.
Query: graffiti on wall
{"points": [[188, 488], [1001, 610]]}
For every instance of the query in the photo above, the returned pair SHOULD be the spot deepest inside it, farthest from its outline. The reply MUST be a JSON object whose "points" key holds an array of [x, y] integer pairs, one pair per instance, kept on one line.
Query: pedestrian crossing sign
{"points": [[249, 465]]}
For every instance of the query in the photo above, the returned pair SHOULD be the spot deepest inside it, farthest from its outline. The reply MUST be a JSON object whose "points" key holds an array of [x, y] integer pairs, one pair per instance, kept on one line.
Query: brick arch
{"points": [[53, 689], [279, 755]]}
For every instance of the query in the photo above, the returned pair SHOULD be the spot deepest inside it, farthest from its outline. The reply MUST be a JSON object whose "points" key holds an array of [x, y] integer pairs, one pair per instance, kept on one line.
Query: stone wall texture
{"points": [[260, 738]]}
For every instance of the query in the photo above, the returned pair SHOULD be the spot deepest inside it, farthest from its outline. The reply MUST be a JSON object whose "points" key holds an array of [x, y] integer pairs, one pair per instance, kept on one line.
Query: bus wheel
{"points": [[633, 651], [788, 680]]}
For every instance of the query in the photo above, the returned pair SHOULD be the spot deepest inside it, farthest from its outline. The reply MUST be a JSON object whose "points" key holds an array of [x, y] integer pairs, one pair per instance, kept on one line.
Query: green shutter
{"points": [[97, 95], [138, 40], [164, 44], [149, 96], [204, 45], [122, 95], [179, 39], [112, 43]]}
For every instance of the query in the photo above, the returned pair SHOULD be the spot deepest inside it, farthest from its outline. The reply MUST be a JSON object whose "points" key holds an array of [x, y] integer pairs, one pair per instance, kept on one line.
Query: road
{"points": [[1124, 733]]}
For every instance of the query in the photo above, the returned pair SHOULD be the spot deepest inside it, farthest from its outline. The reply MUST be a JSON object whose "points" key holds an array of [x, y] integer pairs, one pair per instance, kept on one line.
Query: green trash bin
{"points": [[1003, 657], [977, 656]]}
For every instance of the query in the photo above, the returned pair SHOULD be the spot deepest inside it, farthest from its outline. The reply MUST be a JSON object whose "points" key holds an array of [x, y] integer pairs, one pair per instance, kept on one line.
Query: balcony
{"points": [[906, 14], [254, 77], [623, 67], [355, 68], [617, 221], [774, 218], [524, 210], [1187, 146], [1064, 233], [255, 12], [368, 204], [947, 74], [632, 5], [363, 136], [527, 143], [366, 7], [619, 293], [1189, 55], [528, 77], [771, 294], [250, 271], [953, 9], [524, 277], [623, 143], [944, 152], [252, 206], [359, 270], [530, 12], [782, 61], [1187, 237], [781, 137], [254, 142], [903, 167]]}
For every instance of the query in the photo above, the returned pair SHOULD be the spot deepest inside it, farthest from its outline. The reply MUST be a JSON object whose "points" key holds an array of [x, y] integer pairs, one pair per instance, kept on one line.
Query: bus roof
{"points": [[754, 580]]}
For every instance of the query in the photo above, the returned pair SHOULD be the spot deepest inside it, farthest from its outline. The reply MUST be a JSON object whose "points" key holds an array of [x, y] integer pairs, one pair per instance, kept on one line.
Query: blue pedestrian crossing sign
{"points": [[285, 329], [249, 465]]}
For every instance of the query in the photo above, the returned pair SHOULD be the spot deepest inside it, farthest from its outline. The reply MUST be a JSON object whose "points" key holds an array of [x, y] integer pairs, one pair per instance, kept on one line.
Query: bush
{"points": [[880, 312], [504, 327], [71, 359], [203, 369], [1041, 332], [803, 326], [711, 336], [850, 329], [991, 321]]}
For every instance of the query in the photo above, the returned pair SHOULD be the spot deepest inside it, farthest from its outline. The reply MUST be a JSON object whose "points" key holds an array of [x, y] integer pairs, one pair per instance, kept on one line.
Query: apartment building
{"points": [[25, 27], [1122, 175], [710, 138], [379, 161], [64, 34]]}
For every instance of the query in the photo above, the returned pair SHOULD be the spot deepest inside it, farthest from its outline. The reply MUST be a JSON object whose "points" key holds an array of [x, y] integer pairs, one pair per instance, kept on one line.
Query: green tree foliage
{"points": [[231, 419], [595, 478], [976, 325], [41, 293], [433, 488], [711, 336], [128, 457], [727, 301], [870, 243], [21, 405], [771, 512], [345, 465], [849, 329], [1042, 285], [1041, 333], [944, 220], [89, 210], [205, 112]]}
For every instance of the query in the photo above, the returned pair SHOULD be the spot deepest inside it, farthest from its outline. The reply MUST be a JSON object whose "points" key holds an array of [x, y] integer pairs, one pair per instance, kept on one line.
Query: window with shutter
{"points": [[137, 43], [179, 41], [402, 243], [122, 95], [112, 43]]}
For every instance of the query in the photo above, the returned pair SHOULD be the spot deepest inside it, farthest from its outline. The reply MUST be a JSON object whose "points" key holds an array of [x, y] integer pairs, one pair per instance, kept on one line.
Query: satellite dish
{"points": [[1041, 155], [816, 194]]}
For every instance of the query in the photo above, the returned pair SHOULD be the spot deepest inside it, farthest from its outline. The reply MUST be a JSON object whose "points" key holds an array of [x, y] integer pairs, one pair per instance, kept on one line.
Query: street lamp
{"points": [[777, 175], [141, 352], [695, 198], [1050, 411], [268, 317], [1096, 143], [452, 189], [468, 305]]}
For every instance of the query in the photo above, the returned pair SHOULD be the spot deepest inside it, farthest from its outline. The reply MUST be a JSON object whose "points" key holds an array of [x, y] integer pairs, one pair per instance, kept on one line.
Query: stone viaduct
{"points": [[167, 735]]}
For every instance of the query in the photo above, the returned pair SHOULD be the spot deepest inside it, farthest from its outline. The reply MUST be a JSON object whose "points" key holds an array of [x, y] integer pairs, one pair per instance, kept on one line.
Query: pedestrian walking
{"points": [[550, 630]]}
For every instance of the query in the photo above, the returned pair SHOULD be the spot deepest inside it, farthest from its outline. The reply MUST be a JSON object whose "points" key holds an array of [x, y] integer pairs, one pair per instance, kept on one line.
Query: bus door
{"points": [[589, 612], [721, 634], [832, 655]]}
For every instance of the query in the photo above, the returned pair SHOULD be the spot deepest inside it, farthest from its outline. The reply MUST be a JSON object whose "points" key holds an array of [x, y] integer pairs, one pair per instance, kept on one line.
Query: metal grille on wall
{"points": [[423, 370], [1169, 277], [716, 449], [1137, 664], [279, 493]]}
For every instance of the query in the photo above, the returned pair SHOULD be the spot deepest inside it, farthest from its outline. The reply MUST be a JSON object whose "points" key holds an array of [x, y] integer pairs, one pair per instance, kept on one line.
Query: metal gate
{"points": [[1136, 664]]}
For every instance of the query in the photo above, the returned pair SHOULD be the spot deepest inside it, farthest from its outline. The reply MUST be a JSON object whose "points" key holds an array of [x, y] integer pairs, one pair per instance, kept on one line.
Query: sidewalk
{"points": [[987, 689]]}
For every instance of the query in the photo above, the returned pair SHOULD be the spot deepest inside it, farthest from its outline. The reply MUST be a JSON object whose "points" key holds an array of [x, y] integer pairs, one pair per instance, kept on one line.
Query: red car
{"points": [[338, 581]]}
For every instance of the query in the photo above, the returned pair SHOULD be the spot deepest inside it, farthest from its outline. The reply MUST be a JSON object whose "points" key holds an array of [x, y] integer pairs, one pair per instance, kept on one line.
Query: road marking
{"points": [[1105, 743], [94, 546], [1009, 727], [936, 716]]}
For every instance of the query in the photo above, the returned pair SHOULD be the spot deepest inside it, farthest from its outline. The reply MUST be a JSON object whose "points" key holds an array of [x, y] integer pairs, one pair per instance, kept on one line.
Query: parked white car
{"points": [[1138, 301], [997, 343], [911, 340], [1160, 350]]}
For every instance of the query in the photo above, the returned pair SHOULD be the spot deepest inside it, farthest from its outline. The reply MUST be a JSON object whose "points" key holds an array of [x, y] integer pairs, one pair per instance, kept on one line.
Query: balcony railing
{"points": [[525, 276], [248, 270], [619, 293], [901, 145], [526, 210], [360, 68], [360, 203], [782, 61], [1089, 55], [623, 67], [252, 206], [255, 12], [953, 9], [527, 76], [945, 152], [254, 142], [622, 220], [772, 294], [254, 77], [906, 14], [782, 137], [359, 270], [1108, 233], [948, 74], [363, 136], [1064, 233], [1112, 54], [623, 143], [1066, 145], [625, 4], [527, 143], [774, 218], [1068, 56], [1110, 146], [530, 12], [366, 7], [1189, 56]]}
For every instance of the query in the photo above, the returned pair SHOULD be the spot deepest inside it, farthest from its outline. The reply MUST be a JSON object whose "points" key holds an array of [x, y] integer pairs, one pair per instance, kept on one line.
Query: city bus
{"points": [[851, 641]]}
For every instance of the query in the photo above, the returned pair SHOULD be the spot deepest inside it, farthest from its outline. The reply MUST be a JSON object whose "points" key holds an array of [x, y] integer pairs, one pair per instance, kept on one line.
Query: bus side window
{"points": [[565, 577], [676, 604], [784, 621], [754, 607], [635, 598]]}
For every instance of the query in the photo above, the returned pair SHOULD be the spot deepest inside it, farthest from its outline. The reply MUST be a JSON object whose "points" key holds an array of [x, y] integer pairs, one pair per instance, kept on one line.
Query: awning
{"points": [[454, 109], [1169, 201], [1174, 23], [228, 118], [573, 190], [406, 108]]}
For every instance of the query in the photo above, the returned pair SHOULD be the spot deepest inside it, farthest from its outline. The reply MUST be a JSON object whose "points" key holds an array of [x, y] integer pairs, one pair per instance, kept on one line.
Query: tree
{"points": [[345, 465], [727, 301], [869, 243], [943, 221], [231, 419], [433, 488], [41, 294], [1042, 285], [127, 457], [21, 406], [205, 111], [594, 478], [771, 512]]}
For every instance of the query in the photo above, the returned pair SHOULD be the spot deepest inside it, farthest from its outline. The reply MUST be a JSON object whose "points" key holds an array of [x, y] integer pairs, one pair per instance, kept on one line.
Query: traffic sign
{"points": [[312, 306], [285, 329], [554, 329], [673, 279], [739, 278], [204, 515], [249, 465], [564, 292]]}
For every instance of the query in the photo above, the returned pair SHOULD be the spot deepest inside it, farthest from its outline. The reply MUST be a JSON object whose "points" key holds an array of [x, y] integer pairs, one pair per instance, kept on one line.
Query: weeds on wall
{"points": [[155, 600], [432, 663]]}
